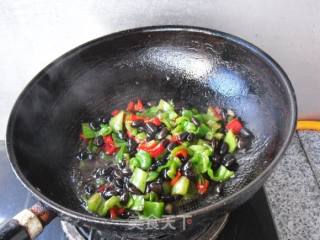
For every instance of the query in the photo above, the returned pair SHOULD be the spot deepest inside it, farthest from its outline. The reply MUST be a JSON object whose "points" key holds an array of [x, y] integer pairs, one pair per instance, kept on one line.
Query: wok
{"points": [[193, 66]]}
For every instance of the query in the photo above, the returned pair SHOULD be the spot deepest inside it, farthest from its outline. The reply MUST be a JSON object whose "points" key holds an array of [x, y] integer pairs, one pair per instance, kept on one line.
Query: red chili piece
{"points": [[115, 112], [202, 186], [109, 146], [234, 125]]}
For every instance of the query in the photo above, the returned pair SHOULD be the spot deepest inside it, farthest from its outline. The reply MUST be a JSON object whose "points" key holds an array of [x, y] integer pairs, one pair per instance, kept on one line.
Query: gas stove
{"points": [[251, 221]]}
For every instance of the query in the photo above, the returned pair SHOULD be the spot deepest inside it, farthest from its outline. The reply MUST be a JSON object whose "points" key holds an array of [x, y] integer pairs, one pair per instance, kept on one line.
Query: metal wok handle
{"points": [[27, 224]]}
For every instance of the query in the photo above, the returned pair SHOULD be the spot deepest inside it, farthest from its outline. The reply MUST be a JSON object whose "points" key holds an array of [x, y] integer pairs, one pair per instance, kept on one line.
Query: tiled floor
{"points": [[293, 189]]}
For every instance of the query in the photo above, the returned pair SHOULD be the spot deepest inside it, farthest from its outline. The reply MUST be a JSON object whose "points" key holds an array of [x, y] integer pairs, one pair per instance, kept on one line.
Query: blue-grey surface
{"points": [[294, 195], [311, 144]]}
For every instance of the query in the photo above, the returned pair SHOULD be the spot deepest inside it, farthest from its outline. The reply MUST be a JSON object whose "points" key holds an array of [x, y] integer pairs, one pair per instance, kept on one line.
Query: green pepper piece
{"points": [[202, 130], [165, 106], [117, 141], [94, 202], [134, 163], [153, 209], [120, 154], [150, 112], [87, 131], [116, 122], [104, 130], [138, 203], [141, 136], [222, 174], [168, 163], [144, 158], [152, 176], [181, 187], [151, 196], [187, 113], [166, 187], [190, 127], [218, 136], [107, 205], [231, 140], [131, 130], [130, 203], [139, 179], [201, 162]]}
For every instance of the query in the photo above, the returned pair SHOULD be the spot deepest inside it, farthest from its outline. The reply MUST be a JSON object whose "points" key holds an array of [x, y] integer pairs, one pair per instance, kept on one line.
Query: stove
{"points": [[251, 221]]}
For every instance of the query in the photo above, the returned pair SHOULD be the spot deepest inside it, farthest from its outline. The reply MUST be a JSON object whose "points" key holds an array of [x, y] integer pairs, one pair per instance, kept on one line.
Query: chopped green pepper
{"points": [[153, 209], [139, 179], [181, 187], [87, 131], [222, 174], [134, 163], [107, 205], [152, 176], [116, 122], [138, 203], [94, 202], [231, 140], [144, 159]]}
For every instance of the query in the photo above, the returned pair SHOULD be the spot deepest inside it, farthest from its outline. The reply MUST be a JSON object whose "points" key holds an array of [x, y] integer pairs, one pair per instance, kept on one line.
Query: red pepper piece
{"points": [[138, 107], [202, 186], [82, 138], [101, 188], [130, 107], [156, 121], [115, 112], [176, 178], [121, 211], [153, 148], [136, 117], [175, 138], [109, 146], [234, 125], [113, 213], [182, 153]]}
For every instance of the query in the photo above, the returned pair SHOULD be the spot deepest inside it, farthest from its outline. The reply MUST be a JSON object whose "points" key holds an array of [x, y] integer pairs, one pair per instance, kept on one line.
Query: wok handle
{"points": [[27, 224]]}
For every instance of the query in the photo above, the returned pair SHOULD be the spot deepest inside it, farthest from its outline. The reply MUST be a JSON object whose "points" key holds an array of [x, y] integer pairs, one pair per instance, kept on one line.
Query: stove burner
{"points": [[208, 231]]}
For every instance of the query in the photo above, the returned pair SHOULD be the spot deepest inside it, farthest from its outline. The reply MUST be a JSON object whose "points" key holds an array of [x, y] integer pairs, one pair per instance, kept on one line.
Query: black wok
{"points": [[192, 66]]}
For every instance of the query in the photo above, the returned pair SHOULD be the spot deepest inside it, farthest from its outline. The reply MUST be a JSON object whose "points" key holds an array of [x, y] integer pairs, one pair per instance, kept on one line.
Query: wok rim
{"points": [[224, 201]]}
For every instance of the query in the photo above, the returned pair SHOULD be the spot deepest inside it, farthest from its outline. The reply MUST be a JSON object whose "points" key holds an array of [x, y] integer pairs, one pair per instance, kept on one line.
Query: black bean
{"points": [[103, 120], [230, 163], [151, 103], [165, 143], [165, 157], [98, 141], [155, 165], [224, 114], [164, 174], [214, 144], [132, 189], [121, 164], [190, 174], [118, 183], [216, 162], [108, 194], [119, 191], [104, 172], [245, 132], [183, 136], [162, 134], [195, 121], [151, 136], [94, 125], [132, 145], [82, 155], [190, 137], [171, 146], [223, 148], [141, 129], [151, 129], [186, 166], [168, 208], [124, 215], [155, 187], [168, 198], [184, 159], [90, 189], [137, 123], [124, 198], [244, 142], [126, 172], [122, 135], [117, 174], [218, 189], [90, 156]]}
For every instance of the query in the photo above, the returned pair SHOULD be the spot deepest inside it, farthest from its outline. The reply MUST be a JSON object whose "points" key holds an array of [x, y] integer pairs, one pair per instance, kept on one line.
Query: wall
{"points": [[33, 33]]}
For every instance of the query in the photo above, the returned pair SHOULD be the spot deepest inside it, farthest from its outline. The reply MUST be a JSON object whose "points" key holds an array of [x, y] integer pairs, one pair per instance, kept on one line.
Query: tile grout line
{"points": [[308, 160]]}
